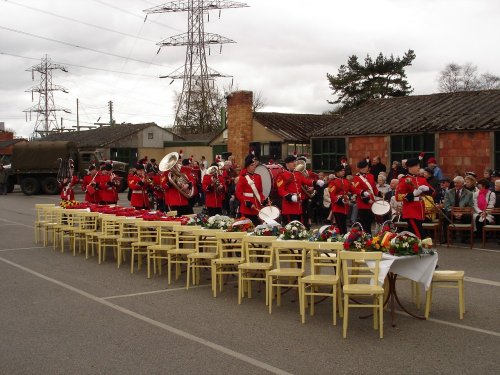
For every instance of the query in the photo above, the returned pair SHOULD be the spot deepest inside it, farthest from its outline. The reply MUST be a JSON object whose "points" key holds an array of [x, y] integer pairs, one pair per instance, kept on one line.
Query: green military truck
{"points": [[34, 165]]}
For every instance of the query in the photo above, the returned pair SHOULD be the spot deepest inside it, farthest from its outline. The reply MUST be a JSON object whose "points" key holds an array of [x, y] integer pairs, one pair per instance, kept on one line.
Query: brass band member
{"points": [[365, 182], [89, 185], [139, 185], [106, 185], [411, 190], [249, 190], [215, 190], [341, 191], [289, 184], [174, 199]]}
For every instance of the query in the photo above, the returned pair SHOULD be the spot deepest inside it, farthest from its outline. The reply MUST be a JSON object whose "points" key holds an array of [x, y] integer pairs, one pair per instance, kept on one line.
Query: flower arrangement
{"points": [[241, 224], [406, 243], [266, 230], [219, 222], [200, 219], [382, 240], [294, 230], [327, 233], [356, 239], [68, 204]]}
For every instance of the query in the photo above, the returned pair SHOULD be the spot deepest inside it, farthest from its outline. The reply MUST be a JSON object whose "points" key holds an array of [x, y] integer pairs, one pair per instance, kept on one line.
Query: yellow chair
{"points": [[146, 236], [92, 237], [41, 219], [185, 244], [323, 257], [290, 263], [88, 224], [54, 218], [459, 227], [108, 238], [206, 250], [165, 241], [447, 279], [73, 222], [229, 257], [258, 252], [129, 234], [64, 224], [435, 225], [351, 262]]}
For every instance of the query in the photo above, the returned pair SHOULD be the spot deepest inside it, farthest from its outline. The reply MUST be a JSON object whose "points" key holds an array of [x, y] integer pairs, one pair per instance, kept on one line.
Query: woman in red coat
{"points": [[249, 190], [139, 186], [340, 190]]}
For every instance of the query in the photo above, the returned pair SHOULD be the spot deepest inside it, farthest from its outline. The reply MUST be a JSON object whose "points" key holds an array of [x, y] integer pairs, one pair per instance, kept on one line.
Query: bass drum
{"points": [[269, 174]]}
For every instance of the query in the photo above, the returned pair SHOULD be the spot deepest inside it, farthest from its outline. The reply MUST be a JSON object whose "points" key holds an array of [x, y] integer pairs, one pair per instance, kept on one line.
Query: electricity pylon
{"points": [[46, 119], [197, 108]]}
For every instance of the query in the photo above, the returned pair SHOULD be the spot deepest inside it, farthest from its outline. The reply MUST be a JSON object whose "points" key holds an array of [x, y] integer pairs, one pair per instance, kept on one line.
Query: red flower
{"points": [[346, 246], [391, 251], [415, 248]]}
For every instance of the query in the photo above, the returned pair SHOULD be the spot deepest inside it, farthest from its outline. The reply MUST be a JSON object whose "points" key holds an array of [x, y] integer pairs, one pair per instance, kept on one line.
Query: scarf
{"points": [[482, 203]]}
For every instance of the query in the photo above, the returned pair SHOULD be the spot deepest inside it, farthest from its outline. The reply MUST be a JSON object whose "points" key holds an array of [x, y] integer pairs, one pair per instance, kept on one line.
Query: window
{"points": [[326, 153], [126, 155], [496, 151], [150, 135], [410, 146], [300, 148]]}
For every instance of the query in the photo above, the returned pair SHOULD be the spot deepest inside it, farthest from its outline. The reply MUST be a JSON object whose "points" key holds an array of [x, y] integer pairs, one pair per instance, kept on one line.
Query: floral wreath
{"points": [[327, 233], [356, 239], [241, 224], [294, 230], [219, 222]]}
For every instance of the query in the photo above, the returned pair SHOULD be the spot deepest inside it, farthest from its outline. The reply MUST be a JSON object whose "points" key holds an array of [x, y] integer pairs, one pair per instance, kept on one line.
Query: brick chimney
{"points": [[239, 124]]}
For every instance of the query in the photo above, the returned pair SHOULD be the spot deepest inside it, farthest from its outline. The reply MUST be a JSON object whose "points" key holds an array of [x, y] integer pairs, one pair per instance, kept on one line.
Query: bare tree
{"points": [[259, 101], [455, 77]]}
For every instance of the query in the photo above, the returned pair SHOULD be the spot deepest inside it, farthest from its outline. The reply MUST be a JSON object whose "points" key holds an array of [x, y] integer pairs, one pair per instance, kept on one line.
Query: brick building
{"points": [[462, 130], [269, 135]]}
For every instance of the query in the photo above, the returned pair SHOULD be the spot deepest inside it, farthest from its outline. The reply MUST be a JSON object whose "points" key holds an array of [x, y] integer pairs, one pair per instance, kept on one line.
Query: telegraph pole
{"points": [[77, 117], [110, 113]]}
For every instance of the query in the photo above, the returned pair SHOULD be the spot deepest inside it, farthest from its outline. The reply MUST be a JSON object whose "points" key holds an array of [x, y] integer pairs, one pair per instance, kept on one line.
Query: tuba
{"points": [[175, 177], [301, 167], [214, 172]]}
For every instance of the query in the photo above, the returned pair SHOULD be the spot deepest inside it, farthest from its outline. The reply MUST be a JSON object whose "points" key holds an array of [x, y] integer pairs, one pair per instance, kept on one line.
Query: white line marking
{"points": [[155, 291], [24, 248], [488, 332], [16, 223], [175, 331], [481, 281]]}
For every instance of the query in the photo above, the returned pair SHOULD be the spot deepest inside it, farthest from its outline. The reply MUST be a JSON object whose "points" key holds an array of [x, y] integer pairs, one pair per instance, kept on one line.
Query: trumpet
{"points": [[214, 172]]}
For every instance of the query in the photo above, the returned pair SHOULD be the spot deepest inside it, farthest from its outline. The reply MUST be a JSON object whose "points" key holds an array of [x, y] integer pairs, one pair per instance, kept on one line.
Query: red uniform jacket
{"points": [[172, 196], [213, 197], [338, 189], [359, 184], [290, 183], [67, 192], [413, 207], [157, 189], [91, 198], [245, 194], [107, 188], [139, 197]]}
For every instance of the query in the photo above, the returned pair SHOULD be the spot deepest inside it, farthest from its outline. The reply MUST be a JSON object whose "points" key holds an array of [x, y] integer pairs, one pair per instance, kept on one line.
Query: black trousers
{"points": [[182, 210], [341, 221], [365, 217], [212, 211], [285, 219]]}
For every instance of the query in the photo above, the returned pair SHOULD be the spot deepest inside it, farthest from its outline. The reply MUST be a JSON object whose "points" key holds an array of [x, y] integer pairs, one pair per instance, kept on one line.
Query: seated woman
{"points": [[483, 199], [470, 183]]}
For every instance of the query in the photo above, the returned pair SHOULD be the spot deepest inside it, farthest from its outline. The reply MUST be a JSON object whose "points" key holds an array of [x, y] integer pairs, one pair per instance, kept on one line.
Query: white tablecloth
{"points": [[413, 267]]}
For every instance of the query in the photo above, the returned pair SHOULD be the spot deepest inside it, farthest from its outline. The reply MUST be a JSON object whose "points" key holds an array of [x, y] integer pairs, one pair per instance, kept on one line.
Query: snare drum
{"points": [[381, 207]]}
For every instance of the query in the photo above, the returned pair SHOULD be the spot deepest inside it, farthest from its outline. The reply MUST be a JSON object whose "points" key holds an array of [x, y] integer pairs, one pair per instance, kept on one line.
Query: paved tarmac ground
{"points": [[61, 314]]}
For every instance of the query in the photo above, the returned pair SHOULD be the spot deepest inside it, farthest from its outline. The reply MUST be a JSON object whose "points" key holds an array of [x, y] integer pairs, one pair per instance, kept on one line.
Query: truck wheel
{"points": [[30, 185], [50, 186]]}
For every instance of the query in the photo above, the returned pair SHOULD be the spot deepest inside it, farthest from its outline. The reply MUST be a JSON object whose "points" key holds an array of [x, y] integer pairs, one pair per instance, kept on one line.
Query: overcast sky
{"points": [[284, 49]]}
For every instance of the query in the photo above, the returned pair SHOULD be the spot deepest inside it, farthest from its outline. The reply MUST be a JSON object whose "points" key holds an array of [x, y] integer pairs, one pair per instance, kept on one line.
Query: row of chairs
{"points": [[276, 264], [436, 224]]}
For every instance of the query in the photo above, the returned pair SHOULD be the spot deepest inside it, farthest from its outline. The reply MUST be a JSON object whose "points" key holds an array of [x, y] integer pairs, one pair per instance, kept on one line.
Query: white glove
{"points": [[366, 194], [320, 183], [423, 188], [294, 198], [416, 192]]}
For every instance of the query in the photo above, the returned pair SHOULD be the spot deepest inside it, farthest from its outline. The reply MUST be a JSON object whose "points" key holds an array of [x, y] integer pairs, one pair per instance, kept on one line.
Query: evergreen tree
{"points": [[383, 77]]}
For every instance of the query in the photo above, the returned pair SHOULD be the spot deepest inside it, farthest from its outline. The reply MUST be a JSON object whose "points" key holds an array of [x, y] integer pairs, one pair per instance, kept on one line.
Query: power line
{"points": [[82, 66], [82, 47], [78, 21], [134, 15]]}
